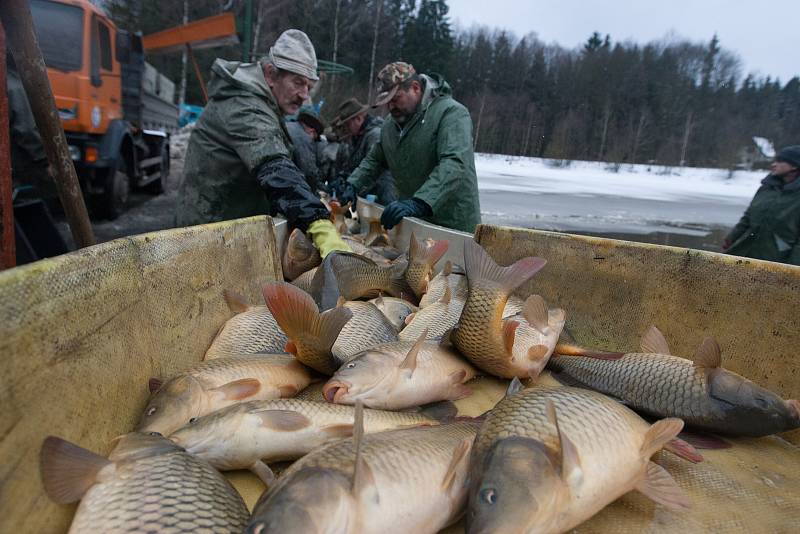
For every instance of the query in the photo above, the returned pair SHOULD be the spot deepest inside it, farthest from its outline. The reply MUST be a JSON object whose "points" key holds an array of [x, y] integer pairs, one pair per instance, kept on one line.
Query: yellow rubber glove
{"points": [[326, 238]]}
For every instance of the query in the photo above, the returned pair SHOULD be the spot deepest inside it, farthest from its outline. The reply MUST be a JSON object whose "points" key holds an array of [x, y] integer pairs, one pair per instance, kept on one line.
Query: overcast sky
{"points": [[764, 33]]}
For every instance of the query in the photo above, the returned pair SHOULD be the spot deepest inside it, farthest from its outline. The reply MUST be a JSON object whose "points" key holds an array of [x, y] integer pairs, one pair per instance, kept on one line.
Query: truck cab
{"points": [[116, 125]]}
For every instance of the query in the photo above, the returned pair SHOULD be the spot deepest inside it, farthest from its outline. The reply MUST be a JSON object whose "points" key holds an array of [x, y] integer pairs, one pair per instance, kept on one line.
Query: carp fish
{"points": [[422, 257], [395, 309], [215, 384], [703, 394], [399, 481], [400, 375], [252, 330], [549, 458], [247, 435], [300, 255], [147, 484], [449, 276], [482, 335]]}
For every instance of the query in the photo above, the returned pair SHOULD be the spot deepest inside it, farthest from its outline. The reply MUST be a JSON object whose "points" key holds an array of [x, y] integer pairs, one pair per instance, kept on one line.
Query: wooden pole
{"points": [[8, 253], [16, 18], [197, 73]]}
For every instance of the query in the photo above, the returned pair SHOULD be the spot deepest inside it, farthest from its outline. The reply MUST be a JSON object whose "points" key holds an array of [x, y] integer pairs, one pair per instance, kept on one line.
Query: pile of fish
{"points": [[379, 447]]}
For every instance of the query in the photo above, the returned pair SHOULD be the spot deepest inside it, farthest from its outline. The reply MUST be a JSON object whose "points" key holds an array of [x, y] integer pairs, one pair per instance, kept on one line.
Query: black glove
{"points": [[412, 207], [345, 192]]}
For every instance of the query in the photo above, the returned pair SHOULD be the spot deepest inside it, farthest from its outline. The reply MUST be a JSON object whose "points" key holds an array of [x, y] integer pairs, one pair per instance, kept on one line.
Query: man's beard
{"points": [[401, 117]]}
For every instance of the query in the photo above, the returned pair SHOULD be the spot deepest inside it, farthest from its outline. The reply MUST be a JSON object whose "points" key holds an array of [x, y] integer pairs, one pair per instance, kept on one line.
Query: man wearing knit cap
{"points": [[239, 158], [770, 227], [426, 143]]}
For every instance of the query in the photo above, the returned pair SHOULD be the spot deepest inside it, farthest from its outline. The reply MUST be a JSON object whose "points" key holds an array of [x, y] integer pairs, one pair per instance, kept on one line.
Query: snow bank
{"points": [[587, 178]]}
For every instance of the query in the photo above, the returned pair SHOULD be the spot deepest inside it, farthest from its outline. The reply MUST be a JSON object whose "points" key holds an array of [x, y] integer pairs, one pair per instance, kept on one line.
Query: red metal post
{"points": [[8, 254]]}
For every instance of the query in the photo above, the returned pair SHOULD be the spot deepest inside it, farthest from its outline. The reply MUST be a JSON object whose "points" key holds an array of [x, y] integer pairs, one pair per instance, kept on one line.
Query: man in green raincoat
{"points": [[239, 158], [770, 227], [426, 143]]}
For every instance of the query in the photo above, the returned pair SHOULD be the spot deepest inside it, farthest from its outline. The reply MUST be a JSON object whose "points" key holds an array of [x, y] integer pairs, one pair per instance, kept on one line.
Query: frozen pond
{"points": [[677, 206]]}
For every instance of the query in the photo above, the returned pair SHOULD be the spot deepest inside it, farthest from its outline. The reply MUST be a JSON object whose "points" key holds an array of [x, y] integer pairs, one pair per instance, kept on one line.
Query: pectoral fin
{"points": [[509, 334], [535, 312], [457, 462], [68, 471], [659, 486], [283, 420], [410, 361], [571, 471], [262, 471], [239, 389]]}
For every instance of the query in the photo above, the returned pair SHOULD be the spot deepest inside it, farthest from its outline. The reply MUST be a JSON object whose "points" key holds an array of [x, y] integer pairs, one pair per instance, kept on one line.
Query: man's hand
{"points": [[326, 238], [412, 207], [345, 192]]}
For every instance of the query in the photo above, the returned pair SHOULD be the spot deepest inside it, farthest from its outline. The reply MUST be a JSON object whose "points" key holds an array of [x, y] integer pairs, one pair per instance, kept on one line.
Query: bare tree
{"points": [[374, 48]]}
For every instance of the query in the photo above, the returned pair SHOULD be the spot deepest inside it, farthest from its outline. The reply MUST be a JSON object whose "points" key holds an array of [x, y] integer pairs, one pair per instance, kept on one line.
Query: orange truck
{"points": [[116, 110]]}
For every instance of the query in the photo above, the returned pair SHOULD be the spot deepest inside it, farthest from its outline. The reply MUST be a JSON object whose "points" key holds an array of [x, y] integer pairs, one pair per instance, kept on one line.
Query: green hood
{"points": [[234, 78]]}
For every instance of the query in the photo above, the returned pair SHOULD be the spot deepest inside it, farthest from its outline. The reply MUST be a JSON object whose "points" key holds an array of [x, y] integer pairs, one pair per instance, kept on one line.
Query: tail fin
{"points": [[480, 266], [313, 334], [420, 252], [68, 471]]}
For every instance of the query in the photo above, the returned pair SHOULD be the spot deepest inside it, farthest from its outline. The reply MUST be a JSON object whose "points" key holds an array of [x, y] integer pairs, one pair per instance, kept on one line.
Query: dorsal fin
{"points": [[236, 303], [448, 295], [480, 266], [708, 354], [653, 342], [362, 474], [415, 247], [378, 301], [410, 361], [448, 268], [571, 471], [535, 312]]}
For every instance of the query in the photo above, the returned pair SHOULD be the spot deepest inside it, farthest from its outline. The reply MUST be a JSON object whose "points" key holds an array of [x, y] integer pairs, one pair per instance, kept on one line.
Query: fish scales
{"points": [[368, 327], [437, 318], [159, 488], [478, 336], [570, 452], [250, 332], [682, 388], [408, 468]]}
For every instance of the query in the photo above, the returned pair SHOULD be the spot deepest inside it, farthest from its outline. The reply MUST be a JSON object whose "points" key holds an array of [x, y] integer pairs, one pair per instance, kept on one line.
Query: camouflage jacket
{"points": [[239, 130], [430, 158]]}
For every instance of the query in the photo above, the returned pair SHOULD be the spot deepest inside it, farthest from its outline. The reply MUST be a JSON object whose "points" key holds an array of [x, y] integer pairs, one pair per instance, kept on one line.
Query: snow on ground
{"points": [[587, 178]]}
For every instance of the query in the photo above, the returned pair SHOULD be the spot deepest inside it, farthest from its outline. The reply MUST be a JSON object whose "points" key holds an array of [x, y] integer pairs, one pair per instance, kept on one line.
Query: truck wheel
{"points": [[157, 187], [114, 200]]}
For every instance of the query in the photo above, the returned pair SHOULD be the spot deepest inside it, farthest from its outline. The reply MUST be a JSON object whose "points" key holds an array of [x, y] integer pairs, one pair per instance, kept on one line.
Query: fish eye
{"points": [[350, 365], [761, 402], [151, 410], [157, 434], [192, 420], [489, 495]]}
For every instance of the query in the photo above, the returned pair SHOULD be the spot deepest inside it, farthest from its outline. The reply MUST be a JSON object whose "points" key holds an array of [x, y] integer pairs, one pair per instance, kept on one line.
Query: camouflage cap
{"points": [[294, 52], [389, 78]]}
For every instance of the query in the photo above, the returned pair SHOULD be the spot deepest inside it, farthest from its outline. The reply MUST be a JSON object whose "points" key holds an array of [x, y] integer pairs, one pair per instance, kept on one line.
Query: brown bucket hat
{"points": [[389, 79], [349, 109]]}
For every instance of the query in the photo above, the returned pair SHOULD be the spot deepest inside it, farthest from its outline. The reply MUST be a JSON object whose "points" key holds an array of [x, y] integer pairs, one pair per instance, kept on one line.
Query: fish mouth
{"points": [[334, 390], [794, 408]]}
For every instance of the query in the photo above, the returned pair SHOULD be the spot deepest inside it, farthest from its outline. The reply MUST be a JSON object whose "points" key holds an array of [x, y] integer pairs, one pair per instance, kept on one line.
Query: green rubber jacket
{"points": [[240, 129], [770, 227], [430, 158]]}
